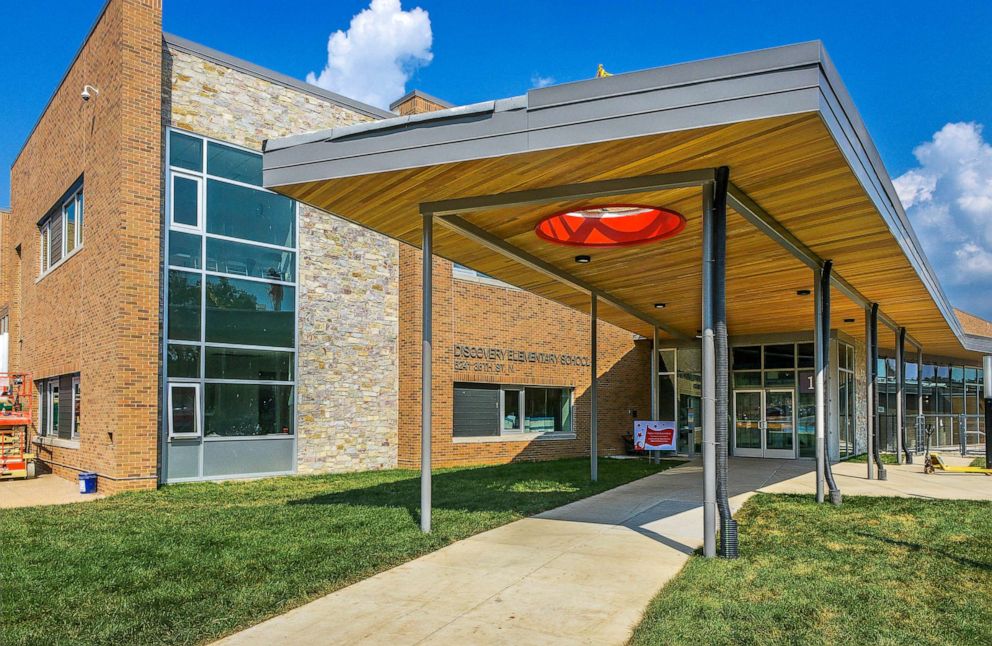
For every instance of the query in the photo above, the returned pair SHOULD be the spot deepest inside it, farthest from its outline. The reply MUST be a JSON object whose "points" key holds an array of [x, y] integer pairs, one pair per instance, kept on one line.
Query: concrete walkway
{"points": [[579, 574], [46, 489]]}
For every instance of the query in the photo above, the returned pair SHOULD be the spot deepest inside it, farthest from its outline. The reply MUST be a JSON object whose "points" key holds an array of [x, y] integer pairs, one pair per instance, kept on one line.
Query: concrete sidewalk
{"points": [[579, 574], [46, 489]]}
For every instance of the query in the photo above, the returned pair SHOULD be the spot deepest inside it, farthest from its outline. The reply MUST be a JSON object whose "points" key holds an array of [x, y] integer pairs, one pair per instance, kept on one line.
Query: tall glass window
{"points": [[231, 294]]}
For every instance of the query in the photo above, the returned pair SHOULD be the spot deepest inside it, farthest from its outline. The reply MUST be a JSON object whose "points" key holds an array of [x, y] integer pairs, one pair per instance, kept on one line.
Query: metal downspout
{"points": [[728, 526], [823, 385], [876, 455]]}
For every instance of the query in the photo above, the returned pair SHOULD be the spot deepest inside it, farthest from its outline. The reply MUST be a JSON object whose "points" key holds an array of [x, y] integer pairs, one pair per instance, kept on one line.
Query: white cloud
{"points": [[948, 198], [541, 81], [374, 59]]}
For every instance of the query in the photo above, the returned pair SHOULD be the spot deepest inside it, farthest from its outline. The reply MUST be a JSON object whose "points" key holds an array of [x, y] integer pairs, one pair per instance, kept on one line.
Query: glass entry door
{"points": [[764, 423]]}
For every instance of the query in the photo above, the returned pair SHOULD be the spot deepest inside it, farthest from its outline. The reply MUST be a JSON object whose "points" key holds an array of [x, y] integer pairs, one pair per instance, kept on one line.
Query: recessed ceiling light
{"points": [[849, 320], [802, 292], [659, 306], [582, 259]]}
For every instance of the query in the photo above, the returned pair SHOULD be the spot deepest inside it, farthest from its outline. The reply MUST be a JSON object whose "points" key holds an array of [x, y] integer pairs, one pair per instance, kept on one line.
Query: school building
{"points": [[188, 310]]}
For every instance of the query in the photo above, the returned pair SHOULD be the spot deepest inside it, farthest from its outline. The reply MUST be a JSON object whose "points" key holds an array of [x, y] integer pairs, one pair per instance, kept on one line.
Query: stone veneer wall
{"points": [[348, 301]]}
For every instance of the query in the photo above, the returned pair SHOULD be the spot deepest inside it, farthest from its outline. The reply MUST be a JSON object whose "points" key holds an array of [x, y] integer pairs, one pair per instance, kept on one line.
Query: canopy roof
{"points": [[799, 157]]}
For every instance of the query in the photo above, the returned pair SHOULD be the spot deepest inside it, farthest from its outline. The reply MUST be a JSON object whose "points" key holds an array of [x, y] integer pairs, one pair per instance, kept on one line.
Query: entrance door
{"points": [[780, 424], [749, 422], [764, 423]]}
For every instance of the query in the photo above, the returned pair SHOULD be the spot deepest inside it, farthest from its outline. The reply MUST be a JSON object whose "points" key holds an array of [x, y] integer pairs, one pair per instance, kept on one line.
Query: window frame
{"points": [[198, 180], [76, 391], [521, 430], [51, 417], [203, 176], [57, 216], [197, 405]]}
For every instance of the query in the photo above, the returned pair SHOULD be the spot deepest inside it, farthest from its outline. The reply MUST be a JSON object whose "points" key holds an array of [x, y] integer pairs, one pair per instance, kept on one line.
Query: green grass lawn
{"points": [[192, 562], [862, 458], [874, 571]]}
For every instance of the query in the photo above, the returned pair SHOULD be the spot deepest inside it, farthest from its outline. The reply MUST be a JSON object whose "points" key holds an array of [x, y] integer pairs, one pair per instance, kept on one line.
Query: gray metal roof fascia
{"points": [[679, 74], [423, 95], [849, 133], [674, 108], [977, 343], [276, 77]]}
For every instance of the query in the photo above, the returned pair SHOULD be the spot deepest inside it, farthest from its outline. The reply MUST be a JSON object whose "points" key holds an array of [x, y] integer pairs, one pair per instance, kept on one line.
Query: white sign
{"points": [[655, 435]]}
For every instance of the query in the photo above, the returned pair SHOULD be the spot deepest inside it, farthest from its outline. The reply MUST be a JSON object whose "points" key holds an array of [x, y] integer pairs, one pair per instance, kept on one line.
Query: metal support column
{"points": [[920, 420], [655, 384], [876, 453], [709, 381], [819, 367], [593, 396], [427, 293], [869, 387], [901, 444]]}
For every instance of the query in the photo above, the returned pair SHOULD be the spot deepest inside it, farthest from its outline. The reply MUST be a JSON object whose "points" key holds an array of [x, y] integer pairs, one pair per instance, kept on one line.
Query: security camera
{"points": [[88, 91]]}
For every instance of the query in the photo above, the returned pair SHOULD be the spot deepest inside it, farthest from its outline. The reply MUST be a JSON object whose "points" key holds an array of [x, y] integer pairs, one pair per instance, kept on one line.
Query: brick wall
{"points": [[478, 314], [97, 313]]}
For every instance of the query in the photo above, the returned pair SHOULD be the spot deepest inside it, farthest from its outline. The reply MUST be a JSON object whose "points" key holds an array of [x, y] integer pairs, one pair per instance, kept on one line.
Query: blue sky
{"points": [[912, 68]]}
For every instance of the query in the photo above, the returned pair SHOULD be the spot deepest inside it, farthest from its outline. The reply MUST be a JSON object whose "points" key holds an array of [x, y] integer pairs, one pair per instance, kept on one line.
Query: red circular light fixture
{"points": [[612, 225]]}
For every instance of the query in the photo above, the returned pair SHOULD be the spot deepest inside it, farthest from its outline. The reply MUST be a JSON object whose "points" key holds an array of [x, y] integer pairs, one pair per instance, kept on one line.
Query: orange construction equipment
{"points": [[16, 393]]}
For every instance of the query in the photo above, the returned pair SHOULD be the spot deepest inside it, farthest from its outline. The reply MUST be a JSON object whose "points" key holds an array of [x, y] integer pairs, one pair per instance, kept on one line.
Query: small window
{"points": [[233, 163], [184, 410], [185, 151], [61, 232], [185, 203]]}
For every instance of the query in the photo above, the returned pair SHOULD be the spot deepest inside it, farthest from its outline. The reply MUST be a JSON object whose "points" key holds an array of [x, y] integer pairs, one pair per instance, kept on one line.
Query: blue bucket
{"points": [[87, 483]]}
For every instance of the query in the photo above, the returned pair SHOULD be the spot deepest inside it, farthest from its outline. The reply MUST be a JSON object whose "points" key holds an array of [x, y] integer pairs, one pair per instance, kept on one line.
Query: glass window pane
{"points": [[79, 217], [184, 249], [511, 410], [183, 410], [543, 410], [185, 201], [184, 361], [249, 260], [805, 355], [184, 306], [780, 377], [186, 151], [666, 360], [248, 409], [232, 163], [76, 407], [249, 312], [780, 356], [70, 226], [242, 363], [747, 358], [53, 394], [250, 214], [666, 398], [744, 379]]}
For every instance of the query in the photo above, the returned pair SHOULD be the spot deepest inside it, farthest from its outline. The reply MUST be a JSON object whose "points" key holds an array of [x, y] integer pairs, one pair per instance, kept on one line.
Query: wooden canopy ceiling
{"points": [[789, 165]]}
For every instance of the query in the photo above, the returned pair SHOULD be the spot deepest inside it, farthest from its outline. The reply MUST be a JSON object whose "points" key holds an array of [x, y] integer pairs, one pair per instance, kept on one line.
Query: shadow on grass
{"points": [[919, 547], [520, 489]]}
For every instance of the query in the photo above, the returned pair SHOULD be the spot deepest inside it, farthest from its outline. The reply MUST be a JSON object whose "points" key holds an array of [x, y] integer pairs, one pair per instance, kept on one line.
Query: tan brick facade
{"points": [[90, 315], [477, 314]]}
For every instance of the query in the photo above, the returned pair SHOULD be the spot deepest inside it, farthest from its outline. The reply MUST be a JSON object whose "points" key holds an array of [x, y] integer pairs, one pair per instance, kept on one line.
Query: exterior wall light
{"points": [[613, 225]]}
